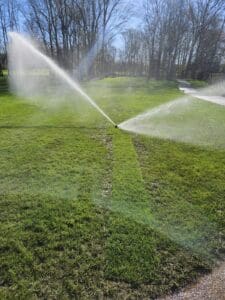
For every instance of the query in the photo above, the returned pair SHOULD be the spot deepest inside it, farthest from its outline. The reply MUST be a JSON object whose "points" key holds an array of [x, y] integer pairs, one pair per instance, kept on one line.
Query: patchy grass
{"points": [[88, 211]]}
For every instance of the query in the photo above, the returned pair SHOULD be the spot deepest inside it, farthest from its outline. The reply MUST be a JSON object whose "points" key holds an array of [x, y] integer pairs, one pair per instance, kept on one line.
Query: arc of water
{"points": [[61, 73]]}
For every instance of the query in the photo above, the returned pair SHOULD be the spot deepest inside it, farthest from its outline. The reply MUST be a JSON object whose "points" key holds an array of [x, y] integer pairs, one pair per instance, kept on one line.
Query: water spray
{"points": [[17, 41]]}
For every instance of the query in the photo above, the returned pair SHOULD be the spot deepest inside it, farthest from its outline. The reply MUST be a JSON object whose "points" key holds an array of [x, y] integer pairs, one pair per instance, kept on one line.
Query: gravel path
{"points": [[209, 287]]}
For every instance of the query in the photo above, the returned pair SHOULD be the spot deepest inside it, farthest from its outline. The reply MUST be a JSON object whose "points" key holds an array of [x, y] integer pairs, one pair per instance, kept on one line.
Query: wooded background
{"points": [[161, 39]]}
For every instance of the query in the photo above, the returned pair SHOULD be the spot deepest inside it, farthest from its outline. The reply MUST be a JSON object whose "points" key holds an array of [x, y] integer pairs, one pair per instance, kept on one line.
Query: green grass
{"points": [[88, 211], [190, 121], [198, 83], [5, 72]]}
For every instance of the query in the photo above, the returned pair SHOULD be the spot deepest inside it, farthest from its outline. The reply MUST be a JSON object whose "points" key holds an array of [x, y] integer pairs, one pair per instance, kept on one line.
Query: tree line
{"points": [[172, 38]]}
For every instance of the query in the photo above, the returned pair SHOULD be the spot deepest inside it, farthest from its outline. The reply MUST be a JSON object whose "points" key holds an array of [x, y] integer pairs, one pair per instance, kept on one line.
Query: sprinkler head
{"points": [[116, 126]]}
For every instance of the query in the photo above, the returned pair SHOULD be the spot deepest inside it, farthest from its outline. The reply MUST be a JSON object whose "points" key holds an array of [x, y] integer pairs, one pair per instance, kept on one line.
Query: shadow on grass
{"points": [[49, 127]]}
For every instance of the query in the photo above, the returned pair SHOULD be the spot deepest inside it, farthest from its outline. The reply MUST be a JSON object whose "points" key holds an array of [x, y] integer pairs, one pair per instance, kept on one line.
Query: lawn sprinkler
{"points": [[116, 126]]}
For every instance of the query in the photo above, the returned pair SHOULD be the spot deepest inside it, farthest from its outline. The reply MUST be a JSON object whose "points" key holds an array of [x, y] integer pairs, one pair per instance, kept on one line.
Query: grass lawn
{"points": [[88, 211], [197, 83]]}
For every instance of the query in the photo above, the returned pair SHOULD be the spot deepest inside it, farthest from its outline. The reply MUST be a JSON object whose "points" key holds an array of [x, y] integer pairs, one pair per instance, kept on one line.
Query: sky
{"points": [[134, 22]]}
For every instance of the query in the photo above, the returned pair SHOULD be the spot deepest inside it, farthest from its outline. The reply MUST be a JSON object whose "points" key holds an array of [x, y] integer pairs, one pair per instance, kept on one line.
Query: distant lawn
{"points": [[88, 211], [198, 83]]}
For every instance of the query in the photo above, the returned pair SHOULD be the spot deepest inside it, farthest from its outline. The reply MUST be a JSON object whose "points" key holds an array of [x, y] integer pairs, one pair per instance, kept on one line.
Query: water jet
{"points": [[32, 73]]}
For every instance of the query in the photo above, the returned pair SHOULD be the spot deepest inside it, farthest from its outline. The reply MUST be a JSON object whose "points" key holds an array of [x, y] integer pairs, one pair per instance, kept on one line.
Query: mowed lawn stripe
{"points": [[130, 247]]}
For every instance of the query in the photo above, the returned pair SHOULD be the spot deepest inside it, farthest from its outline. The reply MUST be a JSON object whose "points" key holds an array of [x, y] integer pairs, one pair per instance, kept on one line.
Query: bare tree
{"points": [[9, 21], [69, 29], [183, 37], [177, 37]]}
